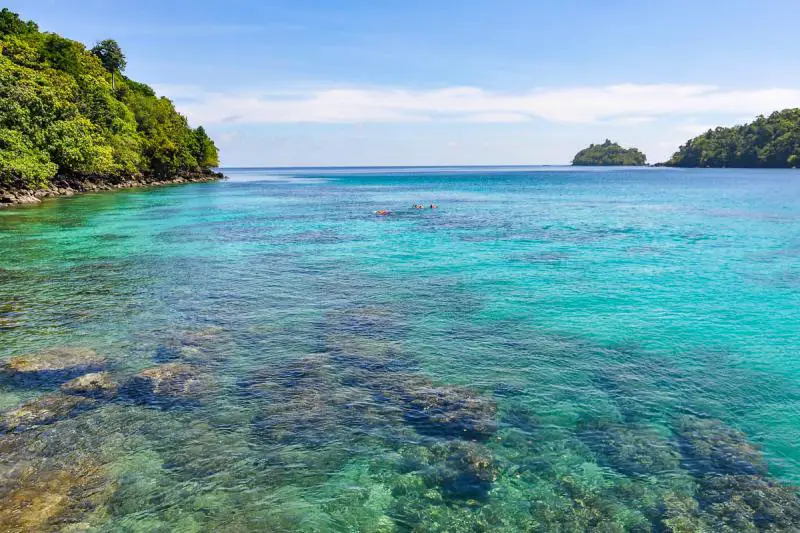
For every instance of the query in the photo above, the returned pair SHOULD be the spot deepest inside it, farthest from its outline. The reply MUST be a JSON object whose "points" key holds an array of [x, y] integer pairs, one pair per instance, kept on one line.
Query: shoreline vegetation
{"points": [[62, 187], [70, 121], [767, 142]]}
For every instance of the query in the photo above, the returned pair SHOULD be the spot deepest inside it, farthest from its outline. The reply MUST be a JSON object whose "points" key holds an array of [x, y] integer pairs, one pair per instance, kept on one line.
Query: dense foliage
{"points": [[609, 154], [769, 142], [59, 114]]}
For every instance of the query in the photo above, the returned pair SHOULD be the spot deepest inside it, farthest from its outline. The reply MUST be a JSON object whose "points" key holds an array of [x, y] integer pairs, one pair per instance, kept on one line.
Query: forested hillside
{"points": [[68, 112], [768, 142], [609, 154]]}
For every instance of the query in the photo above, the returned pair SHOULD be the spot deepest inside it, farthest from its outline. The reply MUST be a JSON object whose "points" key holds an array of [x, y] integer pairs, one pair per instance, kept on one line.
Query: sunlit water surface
{"points": [[542, 352]]}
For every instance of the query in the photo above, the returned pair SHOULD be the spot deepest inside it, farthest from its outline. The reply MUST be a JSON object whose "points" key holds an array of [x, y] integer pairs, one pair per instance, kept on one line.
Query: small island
{"points": [[71, 122], [767, 142], [609, 154]]}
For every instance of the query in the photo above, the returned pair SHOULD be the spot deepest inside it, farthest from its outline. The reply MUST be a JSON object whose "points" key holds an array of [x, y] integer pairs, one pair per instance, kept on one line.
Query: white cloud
{"points": [[619, 104], [497, 117], [693, 130], [631, 121]]}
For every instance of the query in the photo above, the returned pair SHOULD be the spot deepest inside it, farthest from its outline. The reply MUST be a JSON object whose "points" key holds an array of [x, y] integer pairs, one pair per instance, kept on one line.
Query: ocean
{"points": [[551, 349]]}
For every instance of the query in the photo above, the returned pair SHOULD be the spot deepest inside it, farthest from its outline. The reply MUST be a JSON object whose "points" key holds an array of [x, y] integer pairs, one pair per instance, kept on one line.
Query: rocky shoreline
{"points": [[72, 186]]}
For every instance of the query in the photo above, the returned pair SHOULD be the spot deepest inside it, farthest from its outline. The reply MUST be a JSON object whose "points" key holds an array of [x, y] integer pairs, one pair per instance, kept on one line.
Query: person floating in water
{"points": [[434, 206], [383, 212], [419, 206]]}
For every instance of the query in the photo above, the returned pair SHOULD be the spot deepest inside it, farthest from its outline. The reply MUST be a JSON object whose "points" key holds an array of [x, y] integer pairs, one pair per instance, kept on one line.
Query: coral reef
{"points": [[54, 364], [44, 410], [94, 385], [166, 385]]}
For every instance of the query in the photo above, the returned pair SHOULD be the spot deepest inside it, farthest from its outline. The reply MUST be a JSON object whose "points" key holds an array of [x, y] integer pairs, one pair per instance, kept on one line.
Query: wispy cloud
{"points": [[195, 30], [621, 104]]}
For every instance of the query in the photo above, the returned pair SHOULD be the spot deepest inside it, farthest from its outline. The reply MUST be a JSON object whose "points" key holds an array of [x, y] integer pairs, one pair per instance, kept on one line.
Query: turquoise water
{"points": [[549, 350]]}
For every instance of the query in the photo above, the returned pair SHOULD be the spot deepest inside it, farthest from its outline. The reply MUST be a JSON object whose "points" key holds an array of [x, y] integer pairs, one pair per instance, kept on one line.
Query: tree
{"points": [[111, 56], [10, 24], [205, 153]]}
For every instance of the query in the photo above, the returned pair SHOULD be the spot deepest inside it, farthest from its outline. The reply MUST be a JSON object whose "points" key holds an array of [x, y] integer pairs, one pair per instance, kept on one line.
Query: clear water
{"points": [[560, 301]]}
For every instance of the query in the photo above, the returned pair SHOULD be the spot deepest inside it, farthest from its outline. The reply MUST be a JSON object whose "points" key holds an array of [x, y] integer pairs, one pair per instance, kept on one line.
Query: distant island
{"points": [[70, 121], [767, 142], [609, 154]]}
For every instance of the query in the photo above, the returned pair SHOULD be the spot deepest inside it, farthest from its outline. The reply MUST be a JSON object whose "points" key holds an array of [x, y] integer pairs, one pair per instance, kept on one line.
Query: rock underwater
{"points": [[52, 365], [44, 410], [53, 479], [166, 385], [94, 385]]}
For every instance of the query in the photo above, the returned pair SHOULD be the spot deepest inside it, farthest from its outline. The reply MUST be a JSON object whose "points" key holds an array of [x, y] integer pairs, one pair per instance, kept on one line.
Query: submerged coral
{"points": [[749, 503], [54, 364], [167, 384], [50, 498], [193, 346], [43, 410], [95, 385], [464, 470], [447, 411], [709, 446], [53, 478], [631, 450]]}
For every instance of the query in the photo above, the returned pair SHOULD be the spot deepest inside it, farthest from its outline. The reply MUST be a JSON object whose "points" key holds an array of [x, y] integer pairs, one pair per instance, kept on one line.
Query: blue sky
{"points": [[414, 82]]}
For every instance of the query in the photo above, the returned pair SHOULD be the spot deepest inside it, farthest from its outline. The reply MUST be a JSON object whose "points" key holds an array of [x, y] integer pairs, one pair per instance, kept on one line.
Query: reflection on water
{"points": [[183, 360]]}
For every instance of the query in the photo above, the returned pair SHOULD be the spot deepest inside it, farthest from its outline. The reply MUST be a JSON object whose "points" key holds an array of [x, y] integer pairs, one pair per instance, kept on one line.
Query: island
{"points": [[70, 121], [608, 154], [767, 142]]}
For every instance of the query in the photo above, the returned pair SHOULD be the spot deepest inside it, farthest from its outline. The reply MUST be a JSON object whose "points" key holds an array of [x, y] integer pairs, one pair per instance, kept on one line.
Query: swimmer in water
{"points": [[434, 206], [382, 212]]}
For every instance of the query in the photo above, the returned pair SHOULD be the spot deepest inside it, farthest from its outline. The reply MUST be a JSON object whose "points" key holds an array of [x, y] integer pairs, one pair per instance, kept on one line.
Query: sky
{"points": [[446, 82]]}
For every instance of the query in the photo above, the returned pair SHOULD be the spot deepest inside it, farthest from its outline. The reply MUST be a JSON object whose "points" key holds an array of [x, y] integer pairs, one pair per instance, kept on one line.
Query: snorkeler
{"points": [[434, 206], [383, 212]]}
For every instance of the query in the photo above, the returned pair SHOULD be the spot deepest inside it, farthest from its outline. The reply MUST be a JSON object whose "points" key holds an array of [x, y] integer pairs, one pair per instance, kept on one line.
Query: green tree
{"points": [[205, 153], [111, 56], [10, 24]]}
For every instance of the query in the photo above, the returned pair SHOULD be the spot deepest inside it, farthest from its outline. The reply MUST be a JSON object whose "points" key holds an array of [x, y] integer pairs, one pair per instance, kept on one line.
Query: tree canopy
{"points": [[767, 142], [609, 154], [110, 55], [59, 114]]}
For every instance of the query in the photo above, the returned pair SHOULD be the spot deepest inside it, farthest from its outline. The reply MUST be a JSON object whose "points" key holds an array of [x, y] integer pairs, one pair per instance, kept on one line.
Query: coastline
{"points": [[63, 186]]}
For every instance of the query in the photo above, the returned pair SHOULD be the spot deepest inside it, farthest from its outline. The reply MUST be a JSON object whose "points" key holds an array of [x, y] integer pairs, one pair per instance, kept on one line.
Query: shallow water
{"points": [[543, 352]]}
